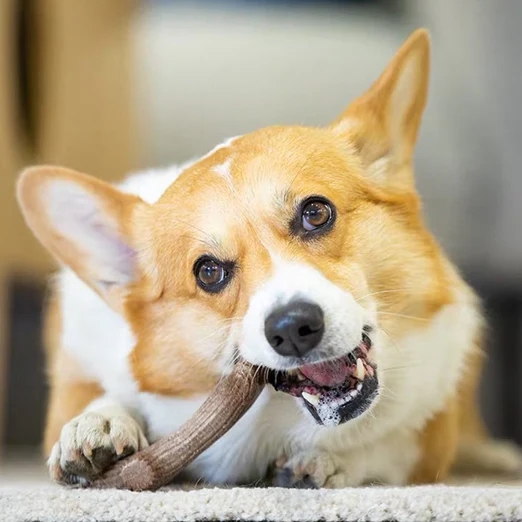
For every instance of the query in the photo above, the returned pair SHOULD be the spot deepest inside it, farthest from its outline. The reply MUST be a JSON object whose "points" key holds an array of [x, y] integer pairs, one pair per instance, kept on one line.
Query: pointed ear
{"points": [[85, 224], [383, 123]]}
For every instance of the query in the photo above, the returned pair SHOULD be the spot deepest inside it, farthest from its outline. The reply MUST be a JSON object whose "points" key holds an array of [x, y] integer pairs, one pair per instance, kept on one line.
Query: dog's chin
{"points": [[333, 391]]}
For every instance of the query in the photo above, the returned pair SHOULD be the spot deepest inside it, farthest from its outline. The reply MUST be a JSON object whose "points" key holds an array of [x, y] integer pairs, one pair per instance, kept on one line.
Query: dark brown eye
{"points": [[316, 214], [211, 275]]}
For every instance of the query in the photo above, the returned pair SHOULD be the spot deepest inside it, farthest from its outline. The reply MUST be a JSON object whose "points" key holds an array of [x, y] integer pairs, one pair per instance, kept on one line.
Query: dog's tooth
{"points": [[359, 387], [312, 399], [360, 372], [300, 376], [354, 393]]}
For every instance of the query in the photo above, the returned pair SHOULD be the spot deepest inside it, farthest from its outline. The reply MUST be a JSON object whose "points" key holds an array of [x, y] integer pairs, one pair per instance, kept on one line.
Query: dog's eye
{"points": [[315, 214], [211, 275]]}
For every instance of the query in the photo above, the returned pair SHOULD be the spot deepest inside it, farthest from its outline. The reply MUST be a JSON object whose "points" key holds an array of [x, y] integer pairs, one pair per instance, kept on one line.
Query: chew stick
{"points": [[157, 465]]}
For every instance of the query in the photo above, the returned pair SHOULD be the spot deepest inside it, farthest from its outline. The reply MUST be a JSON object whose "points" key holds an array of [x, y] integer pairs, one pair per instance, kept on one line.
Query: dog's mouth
{"points": [[336, 390]]}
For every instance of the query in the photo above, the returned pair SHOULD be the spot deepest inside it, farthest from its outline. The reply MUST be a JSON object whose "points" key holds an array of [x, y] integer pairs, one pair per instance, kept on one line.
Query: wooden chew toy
{"points": [[157, 465]]}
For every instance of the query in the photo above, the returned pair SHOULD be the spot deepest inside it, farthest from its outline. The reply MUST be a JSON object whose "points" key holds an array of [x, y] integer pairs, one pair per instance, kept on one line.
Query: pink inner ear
{"points": [[120, 256], [77, 216]]}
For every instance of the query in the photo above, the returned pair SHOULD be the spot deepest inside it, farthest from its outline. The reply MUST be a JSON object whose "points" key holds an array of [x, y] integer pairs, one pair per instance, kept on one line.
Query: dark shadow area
{"points": [[26, 386]]}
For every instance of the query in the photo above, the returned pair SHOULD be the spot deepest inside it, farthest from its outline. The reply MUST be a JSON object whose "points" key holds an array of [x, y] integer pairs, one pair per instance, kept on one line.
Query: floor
{"points": [[27, 469], [22, 468]]}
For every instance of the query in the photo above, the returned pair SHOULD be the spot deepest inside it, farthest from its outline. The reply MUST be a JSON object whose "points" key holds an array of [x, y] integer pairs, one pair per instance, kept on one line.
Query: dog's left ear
{"points": [[383, 123]]}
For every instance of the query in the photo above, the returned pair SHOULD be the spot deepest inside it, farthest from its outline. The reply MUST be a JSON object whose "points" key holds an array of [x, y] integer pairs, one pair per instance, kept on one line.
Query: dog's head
{"points": [[291, 247]]}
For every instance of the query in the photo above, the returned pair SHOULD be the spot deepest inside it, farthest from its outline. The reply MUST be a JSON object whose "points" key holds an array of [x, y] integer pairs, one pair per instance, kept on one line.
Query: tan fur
{"points": [[438, 446], [471, 426], [362, 162], [66, 401]]}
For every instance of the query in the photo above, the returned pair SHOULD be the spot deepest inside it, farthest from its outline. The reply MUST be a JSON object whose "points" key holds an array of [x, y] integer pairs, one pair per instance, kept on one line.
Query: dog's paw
{"points": [[305, 470], [90, 443]]}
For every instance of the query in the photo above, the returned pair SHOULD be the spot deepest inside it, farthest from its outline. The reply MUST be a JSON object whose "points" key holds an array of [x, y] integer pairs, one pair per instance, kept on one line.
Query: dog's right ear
{"points": [[85, 224]]}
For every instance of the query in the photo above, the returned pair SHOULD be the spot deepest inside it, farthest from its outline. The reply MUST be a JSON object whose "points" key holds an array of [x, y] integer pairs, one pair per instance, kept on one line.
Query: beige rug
{"points": [[430, 503], [27, 495]]}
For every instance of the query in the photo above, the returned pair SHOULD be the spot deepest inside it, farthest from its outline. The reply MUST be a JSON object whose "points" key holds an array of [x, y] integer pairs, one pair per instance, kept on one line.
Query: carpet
{"points": [[47, 503]]}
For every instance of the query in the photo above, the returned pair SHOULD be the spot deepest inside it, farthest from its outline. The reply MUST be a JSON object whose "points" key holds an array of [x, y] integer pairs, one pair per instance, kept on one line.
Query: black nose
{"points": [[295, 329]]}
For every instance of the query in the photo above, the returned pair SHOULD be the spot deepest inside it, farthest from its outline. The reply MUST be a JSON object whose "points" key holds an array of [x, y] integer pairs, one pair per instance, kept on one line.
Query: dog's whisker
{"points": [[205, 234], [403, 315], [390, 291], [227, 324], [392, 340], [386, 392], [205, 359], [209, 336], [402, 367]]}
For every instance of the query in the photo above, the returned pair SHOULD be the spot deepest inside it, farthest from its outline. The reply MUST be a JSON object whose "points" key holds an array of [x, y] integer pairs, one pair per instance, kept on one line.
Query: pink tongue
{"points": [[330, 373]]}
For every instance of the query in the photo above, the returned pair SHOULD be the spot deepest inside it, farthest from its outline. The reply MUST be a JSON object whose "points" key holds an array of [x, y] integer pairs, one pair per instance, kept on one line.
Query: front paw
{"points": [[91, 443], [306, 470]]}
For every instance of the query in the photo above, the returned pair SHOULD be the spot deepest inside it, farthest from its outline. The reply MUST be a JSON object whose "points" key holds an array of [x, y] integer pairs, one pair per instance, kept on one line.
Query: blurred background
{"points": [[109, 86]]}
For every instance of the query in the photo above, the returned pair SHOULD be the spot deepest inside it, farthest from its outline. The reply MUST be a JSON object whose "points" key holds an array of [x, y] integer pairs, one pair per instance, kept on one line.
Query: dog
{"points": [[301, 250]]}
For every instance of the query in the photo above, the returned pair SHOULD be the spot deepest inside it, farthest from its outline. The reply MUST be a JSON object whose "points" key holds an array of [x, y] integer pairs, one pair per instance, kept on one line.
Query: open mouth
{"points": [[336, 390]]}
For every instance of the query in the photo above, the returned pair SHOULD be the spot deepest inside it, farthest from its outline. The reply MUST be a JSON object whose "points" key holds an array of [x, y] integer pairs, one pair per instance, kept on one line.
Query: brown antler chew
{"points": [[158, 464]]}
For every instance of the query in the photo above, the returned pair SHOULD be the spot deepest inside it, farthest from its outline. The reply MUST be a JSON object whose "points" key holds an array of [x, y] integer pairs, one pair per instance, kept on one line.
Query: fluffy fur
{"points": [[135, 345]]}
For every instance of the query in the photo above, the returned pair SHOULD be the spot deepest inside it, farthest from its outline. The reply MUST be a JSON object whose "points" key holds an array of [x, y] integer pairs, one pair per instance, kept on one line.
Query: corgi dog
{"points": [[301, 250]]}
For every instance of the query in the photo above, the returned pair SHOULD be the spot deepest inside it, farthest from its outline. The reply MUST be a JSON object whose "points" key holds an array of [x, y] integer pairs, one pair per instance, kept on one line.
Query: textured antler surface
{"points": [[158, 464]]}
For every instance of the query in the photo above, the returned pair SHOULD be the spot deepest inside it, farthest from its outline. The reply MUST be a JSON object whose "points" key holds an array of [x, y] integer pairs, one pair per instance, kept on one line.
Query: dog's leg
{"points": [[438, 443], [67, 400], [85, 431], [478, 452], [92, 441]]}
